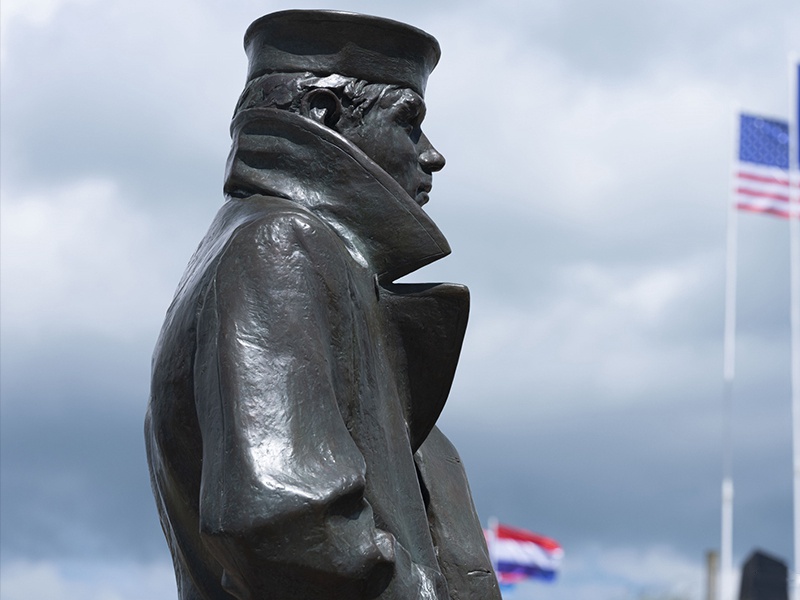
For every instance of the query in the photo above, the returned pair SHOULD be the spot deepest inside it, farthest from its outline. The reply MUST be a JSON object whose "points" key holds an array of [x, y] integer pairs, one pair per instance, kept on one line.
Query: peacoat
{"points": [[295, 387]]}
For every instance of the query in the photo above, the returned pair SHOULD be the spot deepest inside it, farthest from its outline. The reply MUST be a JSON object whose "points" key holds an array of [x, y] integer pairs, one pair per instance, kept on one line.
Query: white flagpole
{"points": [[794, 266], [726, 541]]}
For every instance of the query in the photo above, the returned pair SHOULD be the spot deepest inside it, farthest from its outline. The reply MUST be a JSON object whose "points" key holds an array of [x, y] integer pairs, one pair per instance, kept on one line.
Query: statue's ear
{"points": [[322, 106]]}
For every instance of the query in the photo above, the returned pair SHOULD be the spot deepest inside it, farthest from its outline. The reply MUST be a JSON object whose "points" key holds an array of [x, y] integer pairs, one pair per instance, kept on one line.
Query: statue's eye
{"points": [[405, 118], [410, 118], [408, 125]]}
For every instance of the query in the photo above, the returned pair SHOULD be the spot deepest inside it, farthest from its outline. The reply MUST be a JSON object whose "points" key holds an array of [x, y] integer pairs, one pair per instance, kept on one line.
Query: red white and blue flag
{"points": [[761, 175], [518, 554], [796, 124], [794, 130]]}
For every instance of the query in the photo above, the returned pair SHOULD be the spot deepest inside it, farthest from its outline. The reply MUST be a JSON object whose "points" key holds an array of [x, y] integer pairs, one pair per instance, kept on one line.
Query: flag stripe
{"points": [[512, 533], [515, 571], [760, 194], [769, 210], [762, 178]]}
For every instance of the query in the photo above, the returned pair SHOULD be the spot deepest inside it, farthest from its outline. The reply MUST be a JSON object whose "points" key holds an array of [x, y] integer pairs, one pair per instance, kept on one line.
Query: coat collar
{"points": [[282, 154]]}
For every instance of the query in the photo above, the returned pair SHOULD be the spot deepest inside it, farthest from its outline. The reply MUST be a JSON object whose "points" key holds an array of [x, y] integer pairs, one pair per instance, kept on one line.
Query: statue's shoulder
{"points": [[271, 225], [248, 227]]}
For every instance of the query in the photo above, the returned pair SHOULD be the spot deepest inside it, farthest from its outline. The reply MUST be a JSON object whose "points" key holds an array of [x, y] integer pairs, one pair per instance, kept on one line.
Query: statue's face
{"points": [[391, 135]]}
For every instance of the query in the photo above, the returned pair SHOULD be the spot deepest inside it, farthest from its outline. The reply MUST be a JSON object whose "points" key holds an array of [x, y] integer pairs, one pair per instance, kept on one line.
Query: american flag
{"points": [[761, 175]]}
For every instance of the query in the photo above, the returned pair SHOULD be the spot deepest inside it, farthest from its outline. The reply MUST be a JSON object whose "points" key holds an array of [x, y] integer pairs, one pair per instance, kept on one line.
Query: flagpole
{"points": [[794, 267], [729, 349]]}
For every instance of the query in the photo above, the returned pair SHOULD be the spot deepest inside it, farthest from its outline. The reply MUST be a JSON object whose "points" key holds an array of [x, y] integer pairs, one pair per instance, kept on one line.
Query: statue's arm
{"points": [[282, 496]]}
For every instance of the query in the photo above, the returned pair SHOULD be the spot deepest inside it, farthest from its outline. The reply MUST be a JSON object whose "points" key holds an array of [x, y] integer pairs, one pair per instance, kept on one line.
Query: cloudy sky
{"points": [[588, 146]]}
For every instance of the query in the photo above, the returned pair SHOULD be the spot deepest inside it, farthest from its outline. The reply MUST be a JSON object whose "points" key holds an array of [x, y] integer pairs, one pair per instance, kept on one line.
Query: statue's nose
{"points": [[430, 158]]}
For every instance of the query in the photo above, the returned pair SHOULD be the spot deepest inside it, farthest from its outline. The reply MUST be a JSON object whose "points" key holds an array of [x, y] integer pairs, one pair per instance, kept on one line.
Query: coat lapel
{"points": [[429, 321]]}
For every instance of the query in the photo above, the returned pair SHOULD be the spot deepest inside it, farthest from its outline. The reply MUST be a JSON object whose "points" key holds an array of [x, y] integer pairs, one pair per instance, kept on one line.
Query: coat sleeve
{"points": [[282, 496]]}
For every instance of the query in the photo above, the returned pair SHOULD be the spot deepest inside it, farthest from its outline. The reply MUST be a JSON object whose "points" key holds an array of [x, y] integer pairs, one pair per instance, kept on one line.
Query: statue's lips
{"points": [[422, 193]]}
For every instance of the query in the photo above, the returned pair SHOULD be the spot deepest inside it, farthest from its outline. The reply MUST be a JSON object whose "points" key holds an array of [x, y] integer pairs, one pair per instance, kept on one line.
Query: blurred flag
{"points": [[518, 554], [761, 178], [796, 124]]}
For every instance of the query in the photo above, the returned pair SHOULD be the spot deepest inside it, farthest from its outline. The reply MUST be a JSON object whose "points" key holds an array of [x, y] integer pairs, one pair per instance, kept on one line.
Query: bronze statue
{"points": [[291, 428]]}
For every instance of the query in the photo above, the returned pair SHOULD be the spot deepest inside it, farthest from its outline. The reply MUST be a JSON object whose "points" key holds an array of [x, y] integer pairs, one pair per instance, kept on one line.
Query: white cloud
{"points": [[522, 125], [655, 566], [87, 581], [37, 12], [79, 259], [641, 297], [619, 573], [600, 335]]}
